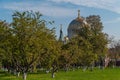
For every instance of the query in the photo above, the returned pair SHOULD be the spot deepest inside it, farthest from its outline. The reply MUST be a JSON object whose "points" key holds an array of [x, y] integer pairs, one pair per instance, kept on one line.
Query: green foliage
{"points": [[33, 42], [5, 44], [29, 43], [88, 46], [99, 39], [26, 41]]}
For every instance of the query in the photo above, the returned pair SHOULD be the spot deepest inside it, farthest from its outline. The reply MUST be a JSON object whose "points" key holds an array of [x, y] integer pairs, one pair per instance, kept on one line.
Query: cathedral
{"points": [[73, 28]]}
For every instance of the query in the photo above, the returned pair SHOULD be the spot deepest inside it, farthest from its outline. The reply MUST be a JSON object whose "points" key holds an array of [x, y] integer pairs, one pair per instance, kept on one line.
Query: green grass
{"points": [[97, 74]]}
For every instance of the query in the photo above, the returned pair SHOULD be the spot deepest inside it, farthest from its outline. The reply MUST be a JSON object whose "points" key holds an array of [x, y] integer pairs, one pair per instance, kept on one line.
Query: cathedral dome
{"points": [[75, 26]]}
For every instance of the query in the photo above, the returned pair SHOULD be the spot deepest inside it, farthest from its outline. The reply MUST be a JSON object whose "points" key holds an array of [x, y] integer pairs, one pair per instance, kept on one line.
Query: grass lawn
{"points": [[106, 74]]}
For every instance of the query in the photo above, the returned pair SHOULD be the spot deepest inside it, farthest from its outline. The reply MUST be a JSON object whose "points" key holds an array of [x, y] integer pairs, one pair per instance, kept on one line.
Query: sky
{"points": [[64, 11]]}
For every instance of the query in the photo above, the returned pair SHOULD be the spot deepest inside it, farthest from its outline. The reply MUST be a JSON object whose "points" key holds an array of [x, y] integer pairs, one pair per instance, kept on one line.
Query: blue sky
{"points": [[64, 11]]}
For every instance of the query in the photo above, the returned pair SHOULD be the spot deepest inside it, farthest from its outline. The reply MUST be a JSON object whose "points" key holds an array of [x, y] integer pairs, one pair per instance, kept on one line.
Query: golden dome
{"points": [[75, 25]]}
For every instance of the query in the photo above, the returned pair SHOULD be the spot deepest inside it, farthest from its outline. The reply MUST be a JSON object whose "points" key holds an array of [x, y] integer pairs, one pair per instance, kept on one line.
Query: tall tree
{"points": [[51, 55], [87, 56], [5, 44], [99, 39], [30, 38], [70, 54]]}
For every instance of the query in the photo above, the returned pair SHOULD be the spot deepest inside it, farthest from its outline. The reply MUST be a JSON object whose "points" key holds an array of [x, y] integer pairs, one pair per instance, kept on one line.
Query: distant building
{"points": [[61, 34], [76, 25], [73, 28]]}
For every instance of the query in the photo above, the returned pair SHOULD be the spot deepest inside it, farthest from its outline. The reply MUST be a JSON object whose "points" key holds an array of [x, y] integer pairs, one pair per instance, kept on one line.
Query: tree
{"points": [[90, 44], [95, 23], [30, 36], [51, 55], [5, 45], [99, 39], [2, 33], [87, 57], [114, 52], [69, 55], [78, 51]]}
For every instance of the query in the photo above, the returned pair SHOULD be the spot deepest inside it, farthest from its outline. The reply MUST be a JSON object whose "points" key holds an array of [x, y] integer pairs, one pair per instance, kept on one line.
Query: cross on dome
{"points": [[78, 13]]}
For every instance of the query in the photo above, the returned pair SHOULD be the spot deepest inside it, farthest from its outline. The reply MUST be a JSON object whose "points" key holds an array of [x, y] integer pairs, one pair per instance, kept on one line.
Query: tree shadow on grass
{"points": [[38, 72], [7, 76], [3, 74]]}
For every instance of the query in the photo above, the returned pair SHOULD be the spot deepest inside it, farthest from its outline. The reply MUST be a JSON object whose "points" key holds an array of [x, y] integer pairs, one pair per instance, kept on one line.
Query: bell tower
{"points": [[61, 33]]}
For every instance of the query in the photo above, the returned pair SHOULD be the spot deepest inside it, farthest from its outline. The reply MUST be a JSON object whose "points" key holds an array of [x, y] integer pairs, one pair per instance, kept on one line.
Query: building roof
{"points": [[75, 25]]}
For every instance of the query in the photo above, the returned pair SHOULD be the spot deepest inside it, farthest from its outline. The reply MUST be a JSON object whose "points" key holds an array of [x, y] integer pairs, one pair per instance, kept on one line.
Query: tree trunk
{"points": [[53, 71], [9, 70], [24, 76], [66, 68], [18, 74], [92, 66], [47, 71], [84, 68], [53, 74]]}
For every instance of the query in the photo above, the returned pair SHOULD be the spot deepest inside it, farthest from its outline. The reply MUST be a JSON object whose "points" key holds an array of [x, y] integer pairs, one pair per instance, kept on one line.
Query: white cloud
{"points": [[45, 8], [58, 11], [111, 5]]}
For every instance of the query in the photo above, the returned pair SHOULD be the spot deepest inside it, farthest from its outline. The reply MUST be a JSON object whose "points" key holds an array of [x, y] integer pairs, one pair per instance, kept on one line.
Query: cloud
{"points": [[111, 5], [46, 9]]}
